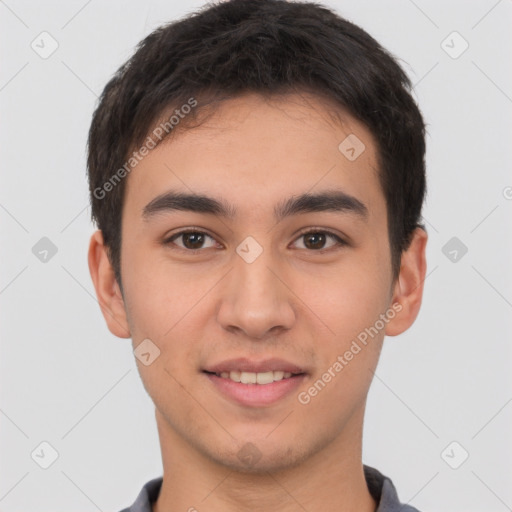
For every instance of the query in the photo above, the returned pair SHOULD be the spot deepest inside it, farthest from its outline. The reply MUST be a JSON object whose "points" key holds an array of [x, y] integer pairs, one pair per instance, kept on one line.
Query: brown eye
{"points": [[316, 240], [191, 240]]}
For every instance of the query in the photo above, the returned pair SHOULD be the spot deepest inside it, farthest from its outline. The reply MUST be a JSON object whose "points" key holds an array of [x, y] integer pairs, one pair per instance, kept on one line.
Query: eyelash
{"points": [[340, 241]]}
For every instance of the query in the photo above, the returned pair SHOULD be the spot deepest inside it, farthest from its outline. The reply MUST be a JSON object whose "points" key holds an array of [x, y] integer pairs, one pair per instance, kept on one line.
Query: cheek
{"points": [[351, 303], [162, 301], [348, 358], [353, 298], [158, 296]]}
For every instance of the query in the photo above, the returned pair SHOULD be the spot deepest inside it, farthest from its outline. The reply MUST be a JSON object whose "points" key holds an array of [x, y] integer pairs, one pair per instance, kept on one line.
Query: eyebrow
{"points": [[326, 201]]}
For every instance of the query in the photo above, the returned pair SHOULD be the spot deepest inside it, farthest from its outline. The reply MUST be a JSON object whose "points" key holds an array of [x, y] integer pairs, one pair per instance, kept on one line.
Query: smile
{"points": [[251, 389], [255, 378]]}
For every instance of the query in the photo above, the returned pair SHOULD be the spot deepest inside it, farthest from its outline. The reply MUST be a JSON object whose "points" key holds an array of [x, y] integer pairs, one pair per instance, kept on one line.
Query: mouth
{"points": [[260, 378], [254, 384]]}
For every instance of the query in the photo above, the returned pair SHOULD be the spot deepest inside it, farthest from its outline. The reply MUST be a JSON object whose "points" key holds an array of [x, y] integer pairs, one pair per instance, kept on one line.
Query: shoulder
{"points": [[147, 496], [383, 491]]}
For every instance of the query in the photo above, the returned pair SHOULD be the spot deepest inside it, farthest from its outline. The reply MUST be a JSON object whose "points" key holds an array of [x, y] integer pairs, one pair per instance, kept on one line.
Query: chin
{"points": [[259, 457]]}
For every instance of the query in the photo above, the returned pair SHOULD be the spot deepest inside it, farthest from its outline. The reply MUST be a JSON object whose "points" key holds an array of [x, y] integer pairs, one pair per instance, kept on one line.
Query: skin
{"points": [[292, 302]]}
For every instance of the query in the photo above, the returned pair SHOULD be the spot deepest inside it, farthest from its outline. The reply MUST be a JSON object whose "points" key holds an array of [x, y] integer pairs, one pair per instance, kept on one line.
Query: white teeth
{"points": [[265, 378], [248, 378], [234, 376], [278, 375], [256, 378]]}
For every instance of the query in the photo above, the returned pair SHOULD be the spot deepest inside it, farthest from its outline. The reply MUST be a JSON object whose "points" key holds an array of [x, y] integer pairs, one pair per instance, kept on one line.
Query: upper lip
{"points": [[246, 365]]}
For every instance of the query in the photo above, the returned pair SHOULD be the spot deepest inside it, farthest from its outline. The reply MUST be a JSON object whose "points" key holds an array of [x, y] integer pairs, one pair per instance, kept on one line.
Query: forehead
{"points": [[255, 152]]}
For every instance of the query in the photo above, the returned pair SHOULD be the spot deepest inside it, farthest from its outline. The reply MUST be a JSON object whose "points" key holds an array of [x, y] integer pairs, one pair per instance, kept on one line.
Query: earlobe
{"points": [[107, 289], [408, 290]]}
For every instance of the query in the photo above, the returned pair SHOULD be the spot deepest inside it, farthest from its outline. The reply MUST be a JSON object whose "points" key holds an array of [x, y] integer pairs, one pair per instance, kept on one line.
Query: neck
{"points": [[331, 480]]}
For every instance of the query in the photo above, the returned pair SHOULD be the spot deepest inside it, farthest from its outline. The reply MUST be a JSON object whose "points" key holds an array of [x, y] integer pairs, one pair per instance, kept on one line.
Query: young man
{"points": [[257, 176]]}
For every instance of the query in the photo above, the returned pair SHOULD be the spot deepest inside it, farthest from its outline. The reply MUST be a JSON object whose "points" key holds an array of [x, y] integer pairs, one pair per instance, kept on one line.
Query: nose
{"points": [[256, 299]]}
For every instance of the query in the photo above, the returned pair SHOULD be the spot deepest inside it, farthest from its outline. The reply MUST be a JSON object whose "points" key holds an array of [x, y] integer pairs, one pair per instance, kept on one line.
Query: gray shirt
{"points": [[380, 487]]}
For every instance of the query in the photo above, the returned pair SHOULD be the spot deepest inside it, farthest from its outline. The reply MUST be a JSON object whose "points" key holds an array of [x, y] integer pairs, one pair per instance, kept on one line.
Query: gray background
{"points": [[67, 381]]}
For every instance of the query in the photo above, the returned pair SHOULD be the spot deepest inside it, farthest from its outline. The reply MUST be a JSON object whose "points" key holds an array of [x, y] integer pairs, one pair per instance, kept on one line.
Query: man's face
{"points": [[253, 287]]}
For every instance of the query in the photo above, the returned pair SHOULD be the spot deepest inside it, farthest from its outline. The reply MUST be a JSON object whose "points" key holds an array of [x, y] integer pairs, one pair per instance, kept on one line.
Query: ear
{"points": [[408, 290], [107, 289]]}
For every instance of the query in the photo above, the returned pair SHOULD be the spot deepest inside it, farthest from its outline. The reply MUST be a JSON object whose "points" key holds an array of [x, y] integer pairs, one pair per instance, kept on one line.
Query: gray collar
{"points": [[380, 487]]}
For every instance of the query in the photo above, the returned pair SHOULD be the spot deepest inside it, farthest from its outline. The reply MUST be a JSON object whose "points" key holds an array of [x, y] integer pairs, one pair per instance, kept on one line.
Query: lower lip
{"points": [[256, 395]]}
